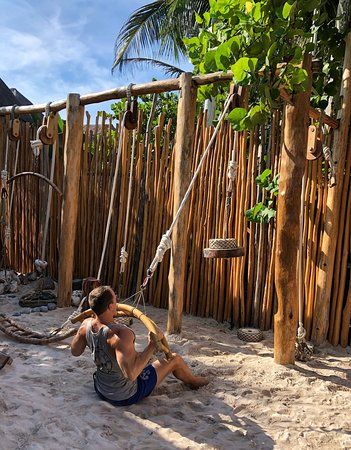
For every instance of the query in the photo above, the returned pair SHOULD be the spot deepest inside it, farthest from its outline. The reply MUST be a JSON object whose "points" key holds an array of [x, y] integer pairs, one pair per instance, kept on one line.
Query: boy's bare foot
{"points": [[199, 382]]}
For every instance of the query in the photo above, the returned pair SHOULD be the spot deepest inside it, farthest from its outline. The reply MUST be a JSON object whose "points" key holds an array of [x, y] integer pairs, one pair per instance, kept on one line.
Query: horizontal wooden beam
{"points": [[153, 87]]}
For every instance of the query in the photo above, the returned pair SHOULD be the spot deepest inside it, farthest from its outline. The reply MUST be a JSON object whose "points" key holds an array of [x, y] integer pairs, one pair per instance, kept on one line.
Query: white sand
{"points": [[47, 399]]}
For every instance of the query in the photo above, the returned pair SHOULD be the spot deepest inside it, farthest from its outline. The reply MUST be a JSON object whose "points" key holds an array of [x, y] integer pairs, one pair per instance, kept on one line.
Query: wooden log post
{"points": [[331, 221], [293, 161], [182, 177], [69, 211]]}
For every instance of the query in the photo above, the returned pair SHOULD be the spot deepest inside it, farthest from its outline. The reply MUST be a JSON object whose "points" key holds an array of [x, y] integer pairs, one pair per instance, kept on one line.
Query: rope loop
{"points": [[13, 111], [47, 109], [129, 93], [301, 333], [164, 245], [232, 170], [36, 146], [123, 259], [4, 174]]}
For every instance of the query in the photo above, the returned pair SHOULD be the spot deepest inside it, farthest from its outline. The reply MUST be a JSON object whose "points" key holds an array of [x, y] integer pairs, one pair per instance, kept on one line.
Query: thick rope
{"points": [[124, 254], [48, 206], [36, 145], [112, 198], [15, 172], [329, 158], [301, 332], [165, 243]]}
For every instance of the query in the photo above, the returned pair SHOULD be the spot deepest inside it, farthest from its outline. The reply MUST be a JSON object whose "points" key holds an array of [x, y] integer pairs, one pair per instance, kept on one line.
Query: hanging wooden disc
{"points": [[14, 130], [131, 115], [43, 135], [223, 248], [314, 144]]}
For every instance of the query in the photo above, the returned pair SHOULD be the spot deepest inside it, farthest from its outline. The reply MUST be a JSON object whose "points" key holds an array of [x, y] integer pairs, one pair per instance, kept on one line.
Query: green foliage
{"points": [[264, 211], [255, 38], [167, 103]]}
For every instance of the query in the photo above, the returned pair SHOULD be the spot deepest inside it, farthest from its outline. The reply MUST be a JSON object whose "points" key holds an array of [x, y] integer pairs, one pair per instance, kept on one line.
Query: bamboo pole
{"points": [[154, 87], [293, 162], [72, 159], [329, 239], [182, 169]]}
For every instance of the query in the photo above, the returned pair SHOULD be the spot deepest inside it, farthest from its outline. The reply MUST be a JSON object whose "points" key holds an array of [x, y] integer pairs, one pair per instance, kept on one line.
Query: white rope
{"points": [[301, 332], [124, 255], [112, 198], [123, 259], [164, 245], [4, 175], [36, 145], [48, 205], [232, 170], [165, 241], [14, 173], [329, 158]]}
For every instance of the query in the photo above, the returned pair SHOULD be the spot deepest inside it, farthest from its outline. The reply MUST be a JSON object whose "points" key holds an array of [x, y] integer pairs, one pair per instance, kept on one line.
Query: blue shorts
{"points": [[147, 381]]}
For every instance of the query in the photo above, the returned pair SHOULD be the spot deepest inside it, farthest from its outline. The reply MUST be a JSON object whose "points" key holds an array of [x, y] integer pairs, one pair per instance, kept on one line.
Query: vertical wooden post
{"points": [[293, 160], [182, 176], [72, 160], [331, 225]]}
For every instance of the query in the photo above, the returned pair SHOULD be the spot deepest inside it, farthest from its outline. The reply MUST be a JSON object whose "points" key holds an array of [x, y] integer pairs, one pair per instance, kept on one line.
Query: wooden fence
{"points": [[239, 290]]}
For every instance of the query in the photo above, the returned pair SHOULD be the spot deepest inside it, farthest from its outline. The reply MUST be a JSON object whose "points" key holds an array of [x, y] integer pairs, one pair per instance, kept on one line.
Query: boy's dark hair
{"points": [[100, 298], [89, 284]]}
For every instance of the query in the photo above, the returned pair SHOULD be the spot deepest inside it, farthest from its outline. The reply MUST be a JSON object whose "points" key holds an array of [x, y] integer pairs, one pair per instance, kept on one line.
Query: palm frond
{"points": [[168, 69], [141, 31], [158, 27]]}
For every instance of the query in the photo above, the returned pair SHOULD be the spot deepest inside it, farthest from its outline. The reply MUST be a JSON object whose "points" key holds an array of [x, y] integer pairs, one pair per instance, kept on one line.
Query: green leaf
{"points": [[243, 67], [256, 12], [263, 179], [287, 10], [198, 18], [60, 123], [258, 115], [236, 115]]}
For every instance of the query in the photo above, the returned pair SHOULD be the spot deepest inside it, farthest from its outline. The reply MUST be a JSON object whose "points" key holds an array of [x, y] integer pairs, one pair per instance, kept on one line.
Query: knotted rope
{"points": [[112, 198], [165, 242]]}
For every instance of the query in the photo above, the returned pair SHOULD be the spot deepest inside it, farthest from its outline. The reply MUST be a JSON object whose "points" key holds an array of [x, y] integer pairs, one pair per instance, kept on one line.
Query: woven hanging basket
{"points": [[223, 248]]}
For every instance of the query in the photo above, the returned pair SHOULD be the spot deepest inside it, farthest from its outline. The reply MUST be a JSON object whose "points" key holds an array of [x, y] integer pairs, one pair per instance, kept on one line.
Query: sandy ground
{"points": [[47, 399]]}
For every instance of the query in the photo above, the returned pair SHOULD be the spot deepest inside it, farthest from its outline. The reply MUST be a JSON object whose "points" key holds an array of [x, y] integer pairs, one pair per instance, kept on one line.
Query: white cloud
{"points": [[47, 58]]}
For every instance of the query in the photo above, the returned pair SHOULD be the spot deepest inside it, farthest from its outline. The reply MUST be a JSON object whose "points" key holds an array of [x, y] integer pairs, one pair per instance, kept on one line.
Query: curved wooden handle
{"points": [[130, 311]]}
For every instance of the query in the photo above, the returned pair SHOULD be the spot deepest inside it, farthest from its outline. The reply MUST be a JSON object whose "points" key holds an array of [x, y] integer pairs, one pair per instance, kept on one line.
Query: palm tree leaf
{"points": [[168, 69], [142, 30], [163, 23]]}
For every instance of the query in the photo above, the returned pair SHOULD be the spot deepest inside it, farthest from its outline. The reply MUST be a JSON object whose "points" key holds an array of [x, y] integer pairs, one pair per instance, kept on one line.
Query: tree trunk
{"points": [[182, 177], [72, 159], [293, 162]]}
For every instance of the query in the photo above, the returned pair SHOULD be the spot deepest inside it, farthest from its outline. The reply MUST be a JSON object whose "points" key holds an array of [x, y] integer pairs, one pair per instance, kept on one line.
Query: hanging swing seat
{"points": [[223, 248]]}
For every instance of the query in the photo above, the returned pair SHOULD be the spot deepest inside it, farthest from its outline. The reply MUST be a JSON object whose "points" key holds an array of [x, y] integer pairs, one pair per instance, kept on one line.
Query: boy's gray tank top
{"points": [[109, 378]]}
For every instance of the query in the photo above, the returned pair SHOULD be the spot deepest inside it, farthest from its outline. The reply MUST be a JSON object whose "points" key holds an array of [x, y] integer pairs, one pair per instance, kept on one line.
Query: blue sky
{"points": [[51, 48]]}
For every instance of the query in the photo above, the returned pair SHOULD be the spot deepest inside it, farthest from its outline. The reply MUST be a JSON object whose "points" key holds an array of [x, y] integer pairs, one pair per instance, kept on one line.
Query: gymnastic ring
{"points": [[39, 175], [130, 311]]}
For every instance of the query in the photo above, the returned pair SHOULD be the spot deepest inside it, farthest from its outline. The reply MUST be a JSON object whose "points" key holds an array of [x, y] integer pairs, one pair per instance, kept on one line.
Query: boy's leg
{"points": [[179, 369]]}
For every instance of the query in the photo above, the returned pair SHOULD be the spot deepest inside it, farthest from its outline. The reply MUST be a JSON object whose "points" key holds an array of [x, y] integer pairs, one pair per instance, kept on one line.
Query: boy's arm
{"points": [[129, 360], [79, 341]]}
